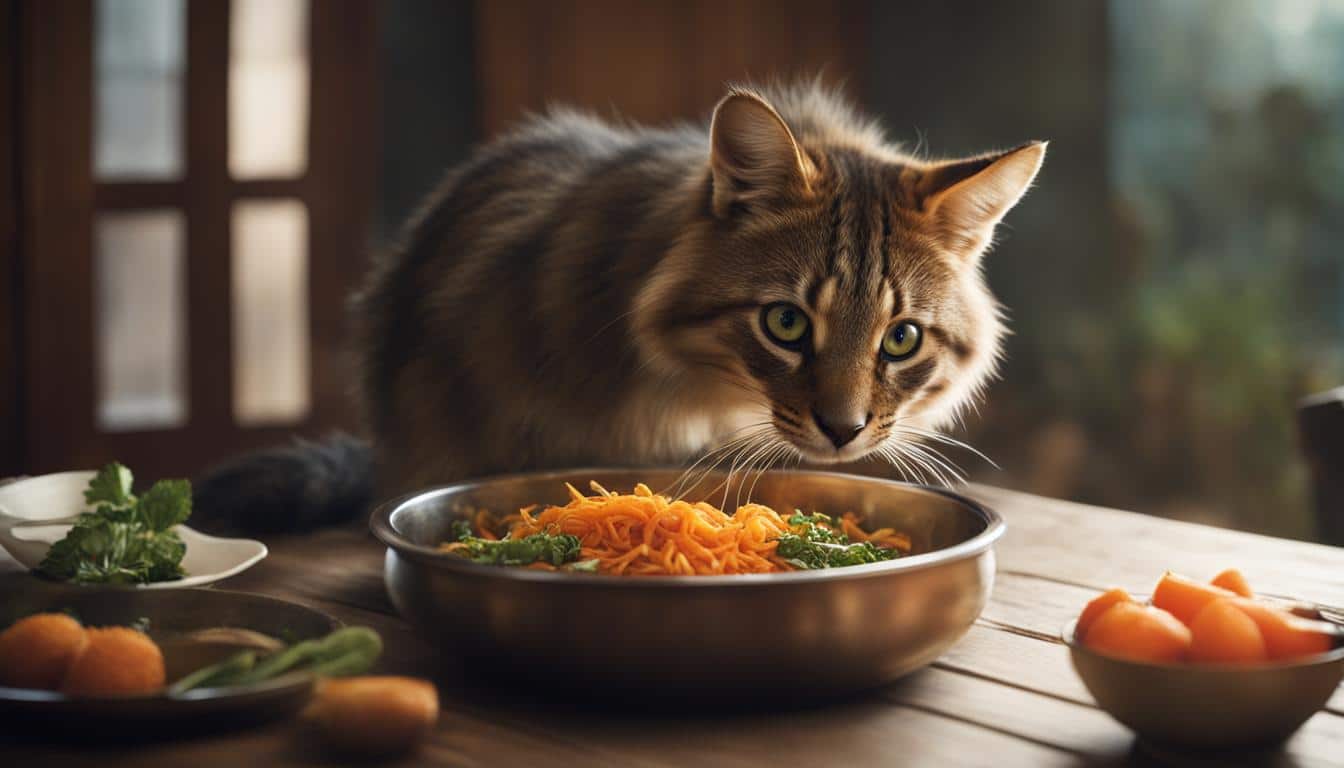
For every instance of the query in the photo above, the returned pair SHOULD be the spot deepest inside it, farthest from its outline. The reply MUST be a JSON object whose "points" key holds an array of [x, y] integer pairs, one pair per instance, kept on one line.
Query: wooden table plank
{"points": [[1099, 547], [1006, 695]]}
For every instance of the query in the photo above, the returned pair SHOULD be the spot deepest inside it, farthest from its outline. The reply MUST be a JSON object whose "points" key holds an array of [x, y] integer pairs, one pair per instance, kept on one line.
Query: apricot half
{"points": [[116, 660], [1287, 636], [1234, 582], [36, 651], [1139, 632], [1099, 605], [1222, 633], [1184, 598]]}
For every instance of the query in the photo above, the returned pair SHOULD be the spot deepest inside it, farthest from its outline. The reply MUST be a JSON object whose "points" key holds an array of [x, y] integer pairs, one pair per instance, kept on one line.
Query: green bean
{"points": [[216, 675]]}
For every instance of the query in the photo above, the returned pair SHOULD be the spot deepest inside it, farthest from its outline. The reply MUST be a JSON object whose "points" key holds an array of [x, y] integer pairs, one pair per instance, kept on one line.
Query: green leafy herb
{"points": [[125, 540], [461, 530], [816, 518], [111, 486], [556, 549], [553, 548], [815, 544], [167, 503]]}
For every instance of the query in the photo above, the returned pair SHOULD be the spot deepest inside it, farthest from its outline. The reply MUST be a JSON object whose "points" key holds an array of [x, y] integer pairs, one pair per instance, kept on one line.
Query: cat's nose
{"points": [[841, 431]]}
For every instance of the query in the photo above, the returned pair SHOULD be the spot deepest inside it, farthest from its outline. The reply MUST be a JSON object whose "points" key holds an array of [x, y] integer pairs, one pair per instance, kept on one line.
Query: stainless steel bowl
{"points": [[802, 632]]}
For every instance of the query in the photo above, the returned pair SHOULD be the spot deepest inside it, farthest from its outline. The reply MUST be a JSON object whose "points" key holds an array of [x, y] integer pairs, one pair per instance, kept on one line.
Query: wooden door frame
{"points": [[11, 312], [57, 359]]}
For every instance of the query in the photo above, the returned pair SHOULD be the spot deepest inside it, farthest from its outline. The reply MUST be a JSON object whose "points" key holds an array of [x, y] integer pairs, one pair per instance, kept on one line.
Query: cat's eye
{"points": [[902, 341], [784, 323]]}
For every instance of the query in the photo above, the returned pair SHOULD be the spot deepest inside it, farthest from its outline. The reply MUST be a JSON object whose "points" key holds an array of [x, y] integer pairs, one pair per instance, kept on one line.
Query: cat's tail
{"points": [[296, 487]]}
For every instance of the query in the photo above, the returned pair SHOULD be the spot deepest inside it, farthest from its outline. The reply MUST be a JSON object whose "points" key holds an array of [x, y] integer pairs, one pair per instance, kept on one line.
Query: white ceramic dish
{"points": [[61, 495]]}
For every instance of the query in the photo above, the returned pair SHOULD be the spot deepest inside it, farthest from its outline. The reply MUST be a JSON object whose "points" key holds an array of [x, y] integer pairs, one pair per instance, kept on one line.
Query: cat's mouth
{"points": [[817, 448]]}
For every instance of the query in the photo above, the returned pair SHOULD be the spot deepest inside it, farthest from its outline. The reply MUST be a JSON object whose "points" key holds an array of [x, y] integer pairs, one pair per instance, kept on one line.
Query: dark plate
{"points": [[169, 612]]}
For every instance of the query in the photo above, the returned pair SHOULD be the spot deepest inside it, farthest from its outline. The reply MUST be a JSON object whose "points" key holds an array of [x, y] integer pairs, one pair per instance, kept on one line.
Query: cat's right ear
{"points": [[967, 198], [753, 156]]}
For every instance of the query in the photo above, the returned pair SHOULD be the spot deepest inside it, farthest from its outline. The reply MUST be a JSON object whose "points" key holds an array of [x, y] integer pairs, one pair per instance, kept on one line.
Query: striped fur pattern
{"points": [[581, 292]]}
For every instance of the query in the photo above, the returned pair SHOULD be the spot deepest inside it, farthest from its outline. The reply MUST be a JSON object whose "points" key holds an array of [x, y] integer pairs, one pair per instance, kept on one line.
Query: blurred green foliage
{"points": [[1169, 383]]}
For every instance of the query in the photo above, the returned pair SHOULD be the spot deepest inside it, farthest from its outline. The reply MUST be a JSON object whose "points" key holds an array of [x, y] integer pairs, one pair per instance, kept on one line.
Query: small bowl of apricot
{"points": [[1206, 665]]}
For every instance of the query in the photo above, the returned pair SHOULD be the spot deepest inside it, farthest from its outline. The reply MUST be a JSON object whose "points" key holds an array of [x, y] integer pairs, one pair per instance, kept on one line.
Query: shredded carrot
{"points": [[645, 534]]}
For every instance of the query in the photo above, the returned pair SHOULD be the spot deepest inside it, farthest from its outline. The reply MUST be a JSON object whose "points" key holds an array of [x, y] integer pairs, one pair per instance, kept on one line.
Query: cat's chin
{"points": [[828, 455]]}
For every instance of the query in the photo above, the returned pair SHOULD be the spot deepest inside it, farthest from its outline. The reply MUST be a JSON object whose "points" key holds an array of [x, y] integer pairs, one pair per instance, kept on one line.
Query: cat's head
{"points": [[831, 282]]}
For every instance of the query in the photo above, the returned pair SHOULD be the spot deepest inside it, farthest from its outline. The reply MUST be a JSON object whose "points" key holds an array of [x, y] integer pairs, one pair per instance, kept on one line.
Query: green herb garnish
{"points": [[125, 539], [815, 544], [553, 548]]}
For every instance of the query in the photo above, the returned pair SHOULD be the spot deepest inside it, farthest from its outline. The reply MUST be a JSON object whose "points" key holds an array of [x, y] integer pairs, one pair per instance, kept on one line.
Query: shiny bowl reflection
{"points": [[805, 632]]}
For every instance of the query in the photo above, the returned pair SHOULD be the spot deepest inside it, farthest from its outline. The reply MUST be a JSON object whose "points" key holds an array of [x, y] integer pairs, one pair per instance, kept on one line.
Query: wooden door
{"points": [[152, 167], [656, 62]]}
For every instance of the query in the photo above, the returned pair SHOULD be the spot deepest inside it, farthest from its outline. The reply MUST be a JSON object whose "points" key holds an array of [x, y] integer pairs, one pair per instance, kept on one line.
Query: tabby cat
{"points": [[784, 283]]}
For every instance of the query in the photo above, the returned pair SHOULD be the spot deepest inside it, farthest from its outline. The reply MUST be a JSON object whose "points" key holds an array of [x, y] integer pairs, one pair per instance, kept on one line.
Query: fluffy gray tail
{"points": [[298, 487]]}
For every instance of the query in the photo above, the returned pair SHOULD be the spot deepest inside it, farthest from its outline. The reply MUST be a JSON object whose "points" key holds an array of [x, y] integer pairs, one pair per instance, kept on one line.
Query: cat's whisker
{"points": [[736, 454], [762, 447], [760, 459], [919, 469], [719, 452], [946, 440], [722, 452], [947, 475], [953, 472], [938, 457], [780, 454], [894, 458]]}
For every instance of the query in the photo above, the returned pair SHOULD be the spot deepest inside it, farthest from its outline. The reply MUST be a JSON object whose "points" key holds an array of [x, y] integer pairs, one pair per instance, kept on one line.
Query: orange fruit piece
{"points": [[1183, 597], [36, 651], [116, 660], [1098, 606], [375, 715], [1287, 636], [1139, 632], [1234, 582], [1222, 633]]}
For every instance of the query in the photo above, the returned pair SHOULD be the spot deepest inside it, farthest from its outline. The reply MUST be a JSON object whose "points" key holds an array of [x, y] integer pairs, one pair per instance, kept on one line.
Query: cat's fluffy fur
{"points": [[580, 292]]}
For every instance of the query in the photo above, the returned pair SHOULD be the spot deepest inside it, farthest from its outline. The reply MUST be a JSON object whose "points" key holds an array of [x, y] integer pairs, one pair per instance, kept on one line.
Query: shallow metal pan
{"points": [[800, 633]]}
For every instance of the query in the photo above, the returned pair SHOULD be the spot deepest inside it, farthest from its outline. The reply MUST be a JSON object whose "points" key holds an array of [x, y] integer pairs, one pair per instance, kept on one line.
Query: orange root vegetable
{"points": [[1139, 632], [116, 660], [1222, 633], [374, 715], [1183, 597], [1234, 582], [1287, 636], [35, 652], [1099, 605]]}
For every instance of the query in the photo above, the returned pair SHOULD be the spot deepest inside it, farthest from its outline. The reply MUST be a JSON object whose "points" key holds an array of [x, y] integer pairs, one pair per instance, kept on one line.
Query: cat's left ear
{"points": [[965, 199], [753, 156]]}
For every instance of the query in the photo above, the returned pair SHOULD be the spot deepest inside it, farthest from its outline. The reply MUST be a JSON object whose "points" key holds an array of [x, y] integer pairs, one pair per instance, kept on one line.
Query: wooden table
{"points": [[1006, 695]]}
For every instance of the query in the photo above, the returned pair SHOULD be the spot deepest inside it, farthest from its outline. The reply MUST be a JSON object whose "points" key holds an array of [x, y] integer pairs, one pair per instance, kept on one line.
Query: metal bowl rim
{"points": [[381, 525], [1068, 635]]}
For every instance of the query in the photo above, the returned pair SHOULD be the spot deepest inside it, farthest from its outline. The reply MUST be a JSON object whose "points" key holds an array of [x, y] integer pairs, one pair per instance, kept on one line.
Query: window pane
{"points": [[270, 312], [268, 89], [1226, 143], [138, 88], [141, 320]]}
